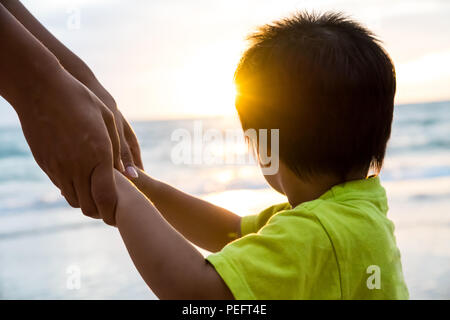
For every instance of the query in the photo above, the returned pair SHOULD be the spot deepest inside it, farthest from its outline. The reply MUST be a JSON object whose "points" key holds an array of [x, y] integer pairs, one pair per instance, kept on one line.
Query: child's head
{"points": [[326, 83]]}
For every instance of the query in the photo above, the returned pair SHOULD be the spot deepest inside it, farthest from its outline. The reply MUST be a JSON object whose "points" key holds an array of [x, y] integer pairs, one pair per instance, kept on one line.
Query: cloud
{"points": [[140, 48]]}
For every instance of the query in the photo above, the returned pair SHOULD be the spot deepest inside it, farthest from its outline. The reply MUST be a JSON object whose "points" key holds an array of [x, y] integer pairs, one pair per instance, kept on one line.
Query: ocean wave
{"points": [[419, 149], [33, 232], [18, 205]]}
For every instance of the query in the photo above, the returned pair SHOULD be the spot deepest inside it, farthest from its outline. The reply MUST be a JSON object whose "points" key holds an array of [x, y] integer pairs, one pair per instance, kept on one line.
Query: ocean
{"points": [[45, 244]]}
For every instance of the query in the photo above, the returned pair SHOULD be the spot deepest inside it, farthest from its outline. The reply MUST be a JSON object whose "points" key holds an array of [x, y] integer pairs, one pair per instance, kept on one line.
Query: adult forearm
{"points": [[207, 225], [25, 64], [69, 60]]}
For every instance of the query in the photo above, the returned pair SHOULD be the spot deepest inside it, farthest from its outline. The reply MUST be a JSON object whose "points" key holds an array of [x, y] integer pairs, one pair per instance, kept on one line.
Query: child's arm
{"points": [[168, 263], [208, 226]]}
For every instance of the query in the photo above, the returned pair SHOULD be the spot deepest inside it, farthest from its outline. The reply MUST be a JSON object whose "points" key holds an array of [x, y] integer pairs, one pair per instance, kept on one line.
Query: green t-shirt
{"points": [[339, 246]]}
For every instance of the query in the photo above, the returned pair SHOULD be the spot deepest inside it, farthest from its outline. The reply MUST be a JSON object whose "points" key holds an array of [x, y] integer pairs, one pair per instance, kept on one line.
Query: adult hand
{"points": [[130, 152], [74, 139], [129, 148], [71, 133]]}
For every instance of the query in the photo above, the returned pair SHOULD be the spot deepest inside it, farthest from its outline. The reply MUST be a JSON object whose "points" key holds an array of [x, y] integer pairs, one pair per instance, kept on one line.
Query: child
{"points": [[328, 86]]}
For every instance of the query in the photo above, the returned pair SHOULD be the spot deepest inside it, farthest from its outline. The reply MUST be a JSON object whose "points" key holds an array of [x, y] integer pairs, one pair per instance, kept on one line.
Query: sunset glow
{"points": [[176, 59], [205, 84]]}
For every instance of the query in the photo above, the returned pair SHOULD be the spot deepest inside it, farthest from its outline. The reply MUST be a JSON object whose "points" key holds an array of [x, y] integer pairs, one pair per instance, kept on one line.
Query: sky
{"points": [[174, 58]]}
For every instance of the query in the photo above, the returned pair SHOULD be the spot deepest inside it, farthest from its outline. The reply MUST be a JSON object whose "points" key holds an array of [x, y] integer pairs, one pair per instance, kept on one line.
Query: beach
{"points": [[43, 240]]}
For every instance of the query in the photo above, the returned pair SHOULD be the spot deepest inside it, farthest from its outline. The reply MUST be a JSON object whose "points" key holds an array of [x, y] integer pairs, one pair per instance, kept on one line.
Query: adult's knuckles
{"points": [[73, 204], [90, 212], [126, 155], [109, 220], [108, 116], [71, 201]]}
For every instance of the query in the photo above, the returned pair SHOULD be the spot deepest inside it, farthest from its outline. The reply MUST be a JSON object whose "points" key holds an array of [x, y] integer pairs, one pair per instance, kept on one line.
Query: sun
{"points": [[205, 84]]}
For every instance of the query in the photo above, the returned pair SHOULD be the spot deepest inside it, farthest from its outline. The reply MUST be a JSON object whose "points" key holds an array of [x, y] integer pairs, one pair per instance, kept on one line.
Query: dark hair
{"points": [[327, 84]]}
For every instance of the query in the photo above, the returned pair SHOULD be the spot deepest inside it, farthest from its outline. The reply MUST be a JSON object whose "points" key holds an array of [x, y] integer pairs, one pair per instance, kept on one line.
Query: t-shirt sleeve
{"points": [[252, 223], [283, 260]]}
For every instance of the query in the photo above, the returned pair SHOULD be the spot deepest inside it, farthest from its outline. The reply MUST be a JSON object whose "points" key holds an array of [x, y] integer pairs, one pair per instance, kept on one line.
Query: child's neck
{"points": [[299, 190]]}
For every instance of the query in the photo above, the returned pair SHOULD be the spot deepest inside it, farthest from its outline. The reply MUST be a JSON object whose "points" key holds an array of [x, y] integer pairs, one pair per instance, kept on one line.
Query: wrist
{"points": [[96, 87], [81, 71], [147, 185], [40, 80]]}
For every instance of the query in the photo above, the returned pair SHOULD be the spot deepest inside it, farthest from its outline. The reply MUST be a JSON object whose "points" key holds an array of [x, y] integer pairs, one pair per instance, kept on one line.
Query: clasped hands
{"points": [[77, 141]]}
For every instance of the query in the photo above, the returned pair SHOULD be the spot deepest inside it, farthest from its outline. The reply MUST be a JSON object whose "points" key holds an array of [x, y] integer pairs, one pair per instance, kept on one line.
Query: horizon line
{"points": [[218, 116]]}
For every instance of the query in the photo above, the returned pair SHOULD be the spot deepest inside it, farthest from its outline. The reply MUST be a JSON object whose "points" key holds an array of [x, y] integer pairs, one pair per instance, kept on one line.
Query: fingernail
{"points": [[131, 171]]}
